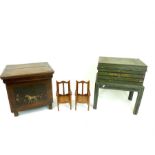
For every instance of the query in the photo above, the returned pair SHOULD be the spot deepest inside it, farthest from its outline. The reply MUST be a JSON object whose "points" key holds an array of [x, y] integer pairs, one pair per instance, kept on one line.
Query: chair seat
{"points": [[63, 98], [82, 98]]}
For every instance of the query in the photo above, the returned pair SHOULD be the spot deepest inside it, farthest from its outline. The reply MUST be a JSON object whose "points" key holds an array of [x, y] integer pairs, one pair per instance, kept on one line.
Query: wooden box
{"points": [[28, 86], [123, 74]]}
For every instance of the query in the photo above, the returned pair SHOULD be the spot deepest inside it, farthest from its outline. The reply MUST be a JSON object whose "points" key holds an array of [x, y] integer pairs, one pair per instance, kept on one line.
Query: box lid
{"points": [[26, 70], [123, 63]]}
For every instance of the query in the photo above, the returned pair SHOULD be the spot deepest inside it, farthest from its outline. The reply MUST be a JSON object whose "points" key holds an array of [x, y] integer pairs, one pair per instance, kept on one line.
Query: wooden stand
{"points": [[121, 74]]}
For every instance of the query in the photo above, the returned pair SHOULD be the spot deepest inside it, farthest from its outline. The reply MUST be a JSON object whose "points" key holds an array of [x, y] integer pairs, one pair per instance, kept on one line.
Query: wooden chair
{"points": [[83, 97], [63, 97]]}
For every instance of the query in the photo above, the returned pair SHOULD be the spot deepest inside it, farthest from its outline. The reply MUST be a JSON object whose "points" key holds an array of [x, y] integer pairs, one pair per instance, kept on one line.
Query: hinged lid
{"points": [[26, 70], [121, 63]]}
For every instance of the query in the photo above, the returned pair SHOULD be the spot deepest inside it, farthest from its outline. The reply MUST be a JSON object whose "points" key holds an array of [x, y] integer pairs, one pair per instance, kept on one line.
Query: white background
{"points": [[71, 35]]}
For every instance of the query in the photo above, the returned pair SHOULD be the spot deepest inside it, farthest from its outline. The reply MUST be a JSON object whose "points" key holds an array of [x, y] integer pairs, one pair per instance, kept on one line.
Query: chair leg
{"points": [[88, 106], [70, 102], [70, 105], [58, 106], [88, 103], [75, 105], [75, 102]]}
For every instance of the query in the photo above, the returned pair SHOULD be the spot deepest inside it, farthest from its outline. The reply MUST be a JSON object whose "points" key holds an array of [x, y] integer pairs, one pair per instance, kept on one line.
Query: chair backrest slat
{"points": [[63, 89]]}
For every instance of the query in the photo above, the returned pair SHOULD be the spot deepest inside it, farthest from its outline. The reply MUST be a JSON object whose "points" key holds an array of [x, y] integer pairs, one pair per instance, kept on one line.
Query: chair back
{"points": [[84, 87], [63, 87]]}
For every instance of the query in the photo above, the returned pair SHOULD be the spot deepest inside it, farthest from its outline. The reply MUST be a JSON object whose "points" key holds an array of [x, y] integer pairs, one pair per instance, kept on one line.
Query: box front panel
{"points": [[30, 95]]}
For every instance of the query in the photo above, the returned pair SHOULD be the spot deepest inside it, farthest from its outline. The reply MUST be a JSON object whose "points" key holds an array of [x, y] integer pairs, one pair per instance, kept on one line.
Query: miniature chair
{"points": [[84, 96], [63, 97]]}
